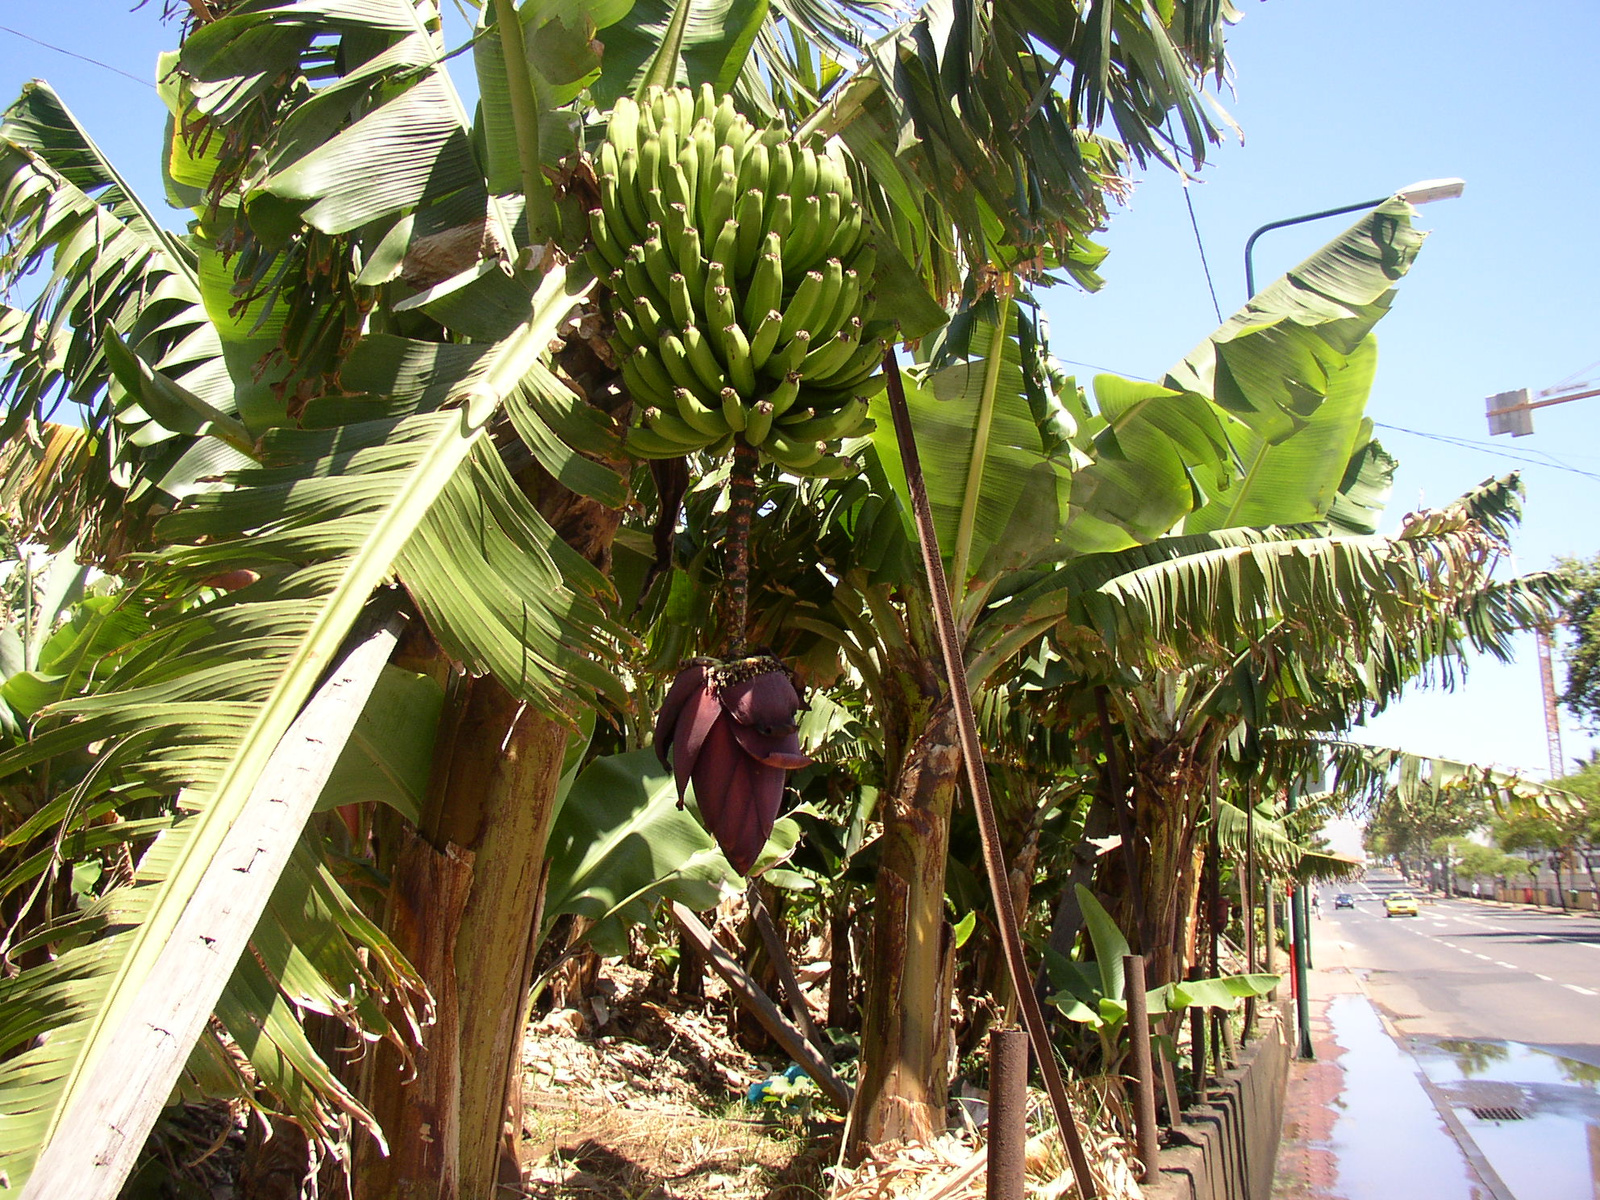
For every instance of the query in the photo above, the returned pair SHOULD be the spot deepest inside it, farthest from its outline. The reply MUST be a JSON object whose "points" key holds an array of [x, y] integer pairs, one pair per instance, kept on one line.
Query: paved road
{"points": [[1464, 969]]}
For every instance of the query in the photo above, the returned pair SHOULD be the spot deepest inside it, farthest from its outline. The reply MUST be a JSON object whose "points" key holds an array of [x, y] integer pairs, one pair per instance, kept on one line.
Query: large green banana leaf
{"points": [[200, 707], [997, 469], [621, 843]]}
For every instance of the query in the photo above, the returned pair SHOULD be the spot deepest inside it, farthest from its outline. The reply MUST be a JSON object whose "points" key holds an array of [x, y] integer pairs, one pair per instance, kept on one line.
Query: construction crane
{"points": [[1512, 412], [1552, 716]]}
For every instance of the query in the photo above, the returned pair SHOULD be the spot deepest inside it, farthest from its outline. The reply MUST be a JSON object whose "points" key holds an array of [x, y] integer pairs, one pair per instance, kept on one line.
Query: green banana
{"points": [[865, 362], [638, 280], [758, 424], [705, 144], [733, 409], [796, 456], [725, 252], [827, 427], [748, 216], [698, 414], [649, 316], [804, 180], [764, 292], [784, 395], [716, 203], [610, 250], [638, 385], [673, 223], [653, 373], [821, 324], [705, 102], [765, 338], [847, 304], [779, 169], [832, 354], [676, 183], [805, 232], [629, 337], [789, 356], [702, 361], [753, 169], [682, 304], [674, 428], [657, 263], [645, 443], [691, 261], [675, 356], [724, 118], [720, 314], [780, 216], [804, 302], [649, 166], [630, 194], [741, 369], [611, 202], [623, 131]]}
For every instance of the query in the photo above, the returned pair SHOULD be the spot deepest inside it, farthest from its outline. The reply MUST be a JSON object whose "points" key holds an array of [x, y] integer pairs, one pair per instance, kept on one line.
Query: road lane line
{"points": [[1582, 991], [1546, 978], [1506, 965]]}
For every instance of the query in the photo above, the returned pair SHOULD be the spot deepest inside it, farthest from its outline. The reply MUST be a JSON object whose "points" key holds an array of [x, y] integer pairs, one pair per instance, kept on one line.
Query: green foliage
{"points": [[621, 844], [1582, 652]]}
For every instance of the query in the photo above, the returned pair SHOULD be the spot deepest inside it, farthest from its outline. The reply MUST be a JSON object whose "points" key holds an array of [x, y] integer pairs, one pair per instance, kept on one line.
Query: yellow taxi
{"points": [[1400, 904]]}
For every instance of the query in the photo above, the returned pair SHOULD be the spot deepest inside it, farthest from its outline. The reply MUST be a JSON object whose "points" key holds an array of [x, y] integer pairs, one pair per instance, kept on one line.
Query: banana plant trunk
{"points": [[904, 1082], [465, 901], [462, 907]]}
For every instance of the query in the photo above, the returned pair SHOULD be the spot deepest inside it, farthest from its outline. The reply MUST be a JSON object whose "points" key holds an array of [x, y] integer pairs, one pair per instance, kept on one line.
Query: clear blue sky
{"points": [[1339, 101]]}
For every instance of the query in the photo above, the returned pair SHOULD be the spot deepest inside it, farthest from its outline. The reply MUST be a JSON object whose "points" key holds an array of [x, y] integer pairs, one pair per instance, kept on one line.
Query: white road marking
{"points": [[1582, 991], [1506, 965], [1485, 957], [1546, 978]]}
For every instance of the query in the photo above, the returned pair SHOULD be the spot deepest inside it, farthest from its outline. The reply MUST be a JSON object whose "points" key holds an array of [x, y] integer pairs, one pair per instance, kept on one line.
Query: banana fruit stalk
{"points": [[741, 277]]}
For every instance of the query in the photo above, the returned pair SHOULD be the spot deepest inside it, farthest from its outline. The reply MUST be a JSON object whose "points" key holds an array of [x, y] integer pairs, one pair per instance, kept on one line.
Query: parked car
{"points": [[1344, 900], [1400, 904]]}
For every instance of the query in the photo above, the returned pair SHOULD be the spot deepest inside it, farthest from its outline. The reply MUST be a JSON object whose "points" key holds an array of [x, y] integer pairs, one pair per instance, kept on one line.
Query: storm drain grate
{"points": [[1497, 1113]]}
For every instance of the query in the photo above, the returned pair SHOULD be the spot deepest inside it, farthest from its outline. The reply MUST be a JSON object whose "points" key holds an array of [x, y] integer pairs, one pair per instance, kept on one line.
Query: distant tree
{"points": [[1582, 617]]}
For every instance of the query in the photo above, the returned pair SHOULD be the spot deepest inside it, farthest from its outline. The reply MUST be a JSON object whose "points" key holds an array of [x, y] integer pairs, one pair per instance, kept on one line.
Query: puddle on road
{"points": [[1550, 1148], [1390, 1140]]}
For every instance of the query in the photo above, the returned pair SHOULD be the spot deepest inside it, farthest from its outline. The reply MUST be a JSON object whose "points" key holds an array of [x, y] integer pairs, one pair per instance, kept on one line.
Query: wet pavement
{"points": [[1359, 1123], [1534, 1115], [1386, 1110]]}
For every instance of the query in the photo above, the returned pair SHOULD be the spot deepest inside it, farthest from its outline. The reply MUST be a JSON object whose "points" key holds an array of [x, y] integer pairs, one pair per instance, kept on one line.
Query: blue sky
{"points": [[1339, 101]]}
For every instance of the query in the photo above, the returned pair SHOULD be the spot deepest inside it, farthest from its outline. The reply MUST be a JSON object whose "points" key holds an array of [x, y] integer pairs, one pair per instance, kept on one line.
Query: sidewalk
{"points": [[1360, 1122]]}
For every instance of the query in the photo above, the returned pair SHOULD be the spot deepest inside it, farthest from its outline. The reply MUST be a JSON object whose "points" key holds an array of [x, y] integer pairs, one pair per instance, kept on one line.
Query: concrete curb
{"points": [[1227, 1149]]}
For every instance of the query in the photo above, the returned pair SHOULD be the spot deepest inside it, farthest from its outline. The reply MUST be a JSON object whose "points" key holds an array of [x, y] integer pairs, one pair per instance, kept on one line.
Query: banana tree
{"points": [[1024, 475], [1209, 645], [391, 258]]}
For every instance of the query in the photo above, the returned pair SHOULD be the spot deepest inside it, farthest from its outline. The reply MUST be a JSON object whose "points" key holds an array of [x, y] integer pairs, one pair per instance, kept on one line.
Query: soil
{"points": [[636, 1096]]}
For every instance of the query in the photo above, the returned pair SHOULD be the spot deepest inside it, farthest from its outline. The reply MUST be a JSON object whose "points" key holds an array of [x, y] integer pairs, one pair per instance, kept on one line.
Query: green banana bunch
{"points": [[741, 276]]}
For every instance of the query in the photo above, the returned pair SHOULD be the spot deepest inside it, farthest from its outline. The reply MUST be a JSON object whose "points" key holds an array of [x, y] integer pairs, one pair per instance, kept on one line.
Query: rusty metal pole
{"points": [[1144, 1075], [1008, 1114]]}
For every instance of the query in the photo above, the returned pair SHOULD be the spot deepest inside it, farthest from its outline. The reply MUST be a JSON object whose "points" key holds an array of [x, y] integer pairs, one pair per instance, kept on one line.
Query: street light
{"points": [[1425, 191]]}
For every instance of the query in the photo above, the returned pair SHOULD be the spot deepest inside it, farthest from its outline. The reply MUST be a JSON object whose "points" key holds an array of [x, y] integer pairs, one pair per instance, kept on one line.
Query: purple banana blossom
{"points": [[731, 729]]}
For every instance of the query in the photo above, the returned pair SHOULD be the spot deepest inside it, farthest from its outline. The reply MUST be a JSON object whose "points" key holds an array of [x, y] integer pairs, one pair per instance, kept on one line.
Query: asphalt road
{"points": [[1463, 969]]}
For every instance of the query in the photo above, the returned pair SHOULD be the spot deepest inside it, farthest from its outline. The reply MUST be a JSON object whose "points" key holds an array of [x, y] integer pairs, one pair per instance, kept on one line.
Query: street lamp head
{"points": [[1428, 190]]}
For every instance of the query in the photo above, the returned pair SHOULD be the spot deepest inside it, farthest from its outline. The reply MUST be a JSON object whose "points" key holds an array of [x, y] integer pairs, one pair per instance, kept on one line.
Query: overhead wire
{"points": [[1549, 460], [74, 54]]}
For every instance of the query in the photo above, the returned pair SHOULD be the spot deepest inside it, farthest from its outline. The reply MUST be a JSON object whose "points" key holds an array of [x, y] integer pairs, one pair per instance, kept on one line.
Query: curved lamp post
{"points": [[1423, 192]]}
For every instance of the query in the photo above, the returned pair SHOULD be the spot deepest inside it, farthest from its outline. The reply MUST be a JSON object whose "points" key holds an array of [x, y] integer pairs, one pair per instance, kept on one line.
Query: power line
{"points": [[1074, 362], [74, 54], [1194, 224], [1468, 444]]}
